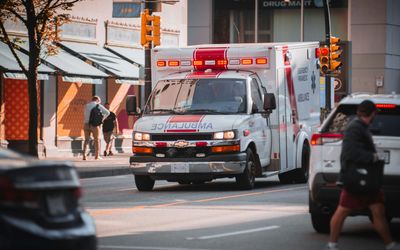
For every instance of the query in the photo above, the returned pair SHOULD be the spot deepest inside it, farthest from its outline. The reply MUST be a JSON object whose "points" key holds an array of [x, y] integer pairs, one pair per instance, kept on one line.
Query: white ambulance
{"points": [[237, 110]]}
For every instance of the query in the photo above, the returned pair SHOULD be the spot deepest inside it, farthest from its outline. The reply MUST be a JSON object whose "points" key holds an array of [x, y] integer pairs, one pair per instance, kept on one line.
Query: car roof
{"points": [[357, 98]]}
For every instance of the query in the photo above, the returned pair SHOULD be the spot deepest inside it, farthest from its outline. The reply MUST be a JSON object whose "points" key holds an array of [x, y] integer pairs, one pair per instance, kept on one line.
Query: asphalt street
{"points": [[212, 216]]}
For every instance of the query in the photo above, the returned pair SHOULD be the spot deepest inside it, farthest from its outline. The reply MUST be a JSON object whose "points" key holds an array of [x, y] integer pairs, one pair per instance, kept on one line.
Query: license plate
{"points": [[180, 168], [56, 204], [384, 155]]}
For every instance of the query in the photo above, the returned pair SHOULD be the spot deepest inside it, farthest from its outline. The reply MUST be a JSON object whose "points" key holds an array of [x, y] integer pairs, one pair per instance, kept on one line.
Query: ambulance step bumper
{"points": [[214, 165]]}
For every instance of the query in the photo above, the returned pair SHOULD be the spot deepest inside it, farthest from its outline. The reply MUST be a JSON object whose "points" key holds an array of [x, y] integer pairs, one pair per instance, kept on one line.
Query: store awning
{"points": [[72, 68], [132, 55], [11, 68], [103, 59]]}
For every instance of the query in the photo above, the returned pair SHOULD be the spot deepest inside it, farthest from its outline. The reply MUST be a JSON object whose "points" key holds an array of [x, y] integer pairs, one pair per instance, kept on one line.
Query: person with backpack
{"points": [[94, 115], [109, 125]]}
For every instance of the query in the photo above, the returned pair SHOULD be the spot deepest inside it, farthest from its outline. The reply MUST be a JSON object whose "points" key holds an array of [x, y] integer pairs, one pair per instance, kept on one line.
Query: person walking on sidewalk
{"points": [[358, 147], [93, 117], [109, 125]]}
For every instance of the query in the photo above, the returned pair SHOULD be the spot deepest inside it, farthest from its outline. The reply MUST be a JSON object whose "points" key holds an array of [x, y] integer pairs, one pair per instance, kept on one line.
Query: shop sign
{"points": [[294, 4]]}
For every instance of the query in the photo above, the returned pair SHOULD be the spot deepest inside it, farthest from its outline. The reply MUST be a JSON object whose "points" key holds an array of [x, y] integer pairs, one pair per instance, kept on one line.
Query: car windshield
{"points": [[212, 96], [384, 124]]}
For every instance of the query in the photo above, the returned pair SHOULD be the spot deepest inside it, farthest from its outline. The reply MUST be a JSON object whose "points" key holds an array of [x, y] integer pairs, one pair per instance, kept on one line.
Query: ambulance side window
{"points": [[255, 94]]}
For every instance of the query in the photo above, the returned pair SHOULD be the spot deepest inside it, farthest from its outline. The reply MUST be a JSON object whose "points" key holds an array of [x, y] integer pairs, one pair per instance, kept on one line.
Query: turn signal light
{"points": [[173, 63], [223, 149], [142, 150]]}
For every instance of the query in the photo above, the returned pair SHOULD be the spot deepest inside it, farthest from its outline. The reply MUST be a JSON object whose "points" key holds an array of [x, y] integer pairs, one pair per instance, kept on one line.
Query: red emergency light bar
{"points": [[212, 63]]}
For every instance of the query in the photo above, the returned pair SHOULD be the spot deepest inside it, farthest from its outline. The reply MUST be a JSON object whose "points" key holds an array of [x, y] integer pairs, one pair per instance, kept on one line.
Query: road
{"points": [[212, 216]]}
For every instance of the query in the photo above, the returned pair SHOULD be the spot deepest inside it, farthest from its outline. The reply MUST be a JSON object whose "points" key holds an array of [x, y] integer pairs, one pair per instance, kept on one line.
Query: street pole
{"points": [[256, 21], [302, 21], [328, 43], [147, 61]]}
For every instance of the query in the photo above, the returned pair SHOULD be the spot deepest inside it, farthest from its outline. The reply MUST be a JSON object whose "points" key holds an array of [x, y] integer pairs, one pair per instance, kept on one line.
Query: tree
{"points": [[41, 19]]}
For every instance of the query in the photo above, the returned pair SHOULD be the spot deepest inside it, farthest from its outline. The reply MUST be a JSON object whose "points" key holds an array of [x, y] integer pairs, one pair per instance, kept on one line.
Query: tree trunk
{"points": [[34, 51]]}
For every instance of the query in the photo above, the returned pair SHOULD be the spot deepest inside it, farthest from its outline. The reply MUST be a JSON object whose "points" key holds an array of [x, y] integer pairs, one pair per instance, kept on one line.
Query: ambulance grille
{"points": [[186, 137]]}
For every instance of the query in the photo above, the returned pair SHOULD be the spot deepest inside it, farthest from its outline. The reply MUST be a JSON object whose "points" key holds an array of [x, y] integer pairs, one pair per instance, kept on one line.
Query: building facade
{"points": [[369, 31], [99, 54]]}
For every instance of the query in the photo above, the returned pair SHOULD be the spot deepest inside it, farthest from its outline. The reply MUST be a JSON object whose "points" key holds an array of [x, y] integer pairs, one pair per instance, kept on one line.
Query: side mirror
{"points": [[130, 107], [269, 102]]}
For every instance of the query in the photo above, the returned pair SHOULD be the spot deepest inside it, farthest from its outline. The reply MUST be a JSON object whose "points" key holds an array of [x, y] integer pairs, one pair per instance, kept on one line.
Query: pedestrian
{"points": [[109, 125], [92, 125], [358, 148]]}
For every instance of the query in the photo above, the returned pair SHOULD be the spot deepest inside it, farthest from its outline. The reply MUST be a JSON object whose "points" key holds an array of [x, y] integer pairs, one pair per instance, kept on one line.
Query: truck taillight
{"points": [[385, 106], [322, 138]]}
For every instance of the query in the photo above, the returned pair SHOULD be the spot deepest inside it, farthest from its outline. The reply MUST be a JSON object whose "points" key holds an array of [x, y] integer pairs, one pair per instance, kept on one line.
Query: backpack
{"points": [[96, 117]]}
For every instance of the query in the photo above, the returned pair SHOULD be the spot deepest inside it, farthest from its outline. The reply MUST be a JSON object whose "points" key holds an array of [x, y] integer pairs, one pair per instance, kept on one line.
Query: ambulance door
{"points": [[261, 132], [286, 144]]}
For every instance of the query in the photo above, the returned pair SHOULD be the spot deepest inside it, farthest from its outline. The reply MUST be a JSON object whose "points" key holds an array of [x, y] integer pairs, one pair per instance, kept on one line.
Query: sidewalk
{"points": [[117, 164]]}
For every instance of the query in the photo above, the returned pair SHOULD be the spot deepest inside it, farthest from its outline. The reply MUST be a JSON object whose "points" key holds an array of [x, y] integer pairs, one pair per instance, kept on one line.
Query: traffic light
{"points": [[324, 59], [156, 31], [334, 57], [150, 29]]}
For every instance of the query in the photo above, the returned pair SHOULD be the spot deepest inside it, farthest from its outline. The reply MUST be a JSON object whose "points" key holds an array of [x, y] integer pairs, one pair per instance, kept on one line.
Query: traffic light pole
{"points": [[328, 43], [147, 59]]}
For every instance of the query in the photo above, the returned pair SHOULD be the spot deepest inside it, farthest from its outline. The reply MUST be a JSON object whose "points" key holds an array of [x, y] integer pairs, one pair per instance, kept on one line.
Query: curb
{"points": [[83, 174]]}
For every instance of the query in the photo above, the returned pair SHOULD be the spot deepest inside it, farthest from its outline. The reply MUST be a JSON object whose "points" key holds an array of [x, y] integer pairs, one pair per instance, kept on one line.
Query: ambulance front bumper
{"points": [[225, 165]]}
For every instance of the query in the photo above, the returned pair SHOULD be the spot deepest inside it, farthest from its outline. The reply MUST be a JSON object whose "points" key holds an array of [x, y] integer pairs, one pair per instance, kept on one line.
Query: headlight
{"points": [[224, 135], [141, 136]]}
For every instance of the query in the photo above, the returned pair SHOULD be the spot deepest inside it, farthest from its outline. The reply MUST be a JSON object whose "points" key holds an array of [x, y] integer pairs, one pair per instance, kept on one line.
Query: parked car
{"points": [[39, 205], [325, 157]]}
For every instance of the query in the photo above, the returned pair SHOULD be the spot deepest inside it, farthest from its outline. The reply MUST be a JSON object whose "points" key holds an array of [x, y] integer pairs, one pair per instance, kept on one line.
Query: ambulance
{"points": [[238, 110]]}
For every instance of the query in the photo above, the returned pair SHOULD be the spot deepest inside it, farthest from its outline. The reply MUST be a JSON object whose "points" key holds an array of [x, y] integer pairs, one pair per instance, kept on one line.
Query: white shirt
{"points": [[90, 106]]}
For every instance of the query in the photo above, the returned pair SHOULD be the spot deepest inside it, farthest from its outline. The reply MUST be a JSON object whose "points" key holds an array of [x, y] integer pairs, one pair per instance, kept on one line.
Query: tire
{"points": [[321, 222], [286, 178], [302, 174], [246, 180], [144, 182]]}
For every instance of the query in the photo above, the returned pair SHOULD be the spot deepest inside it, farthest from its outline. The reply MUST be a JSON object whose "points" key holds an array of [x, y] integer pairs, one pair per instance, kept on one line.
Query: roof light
{"points": [[186, 63], [173, 63], [261, 61], [385, 106], [222, 62], [246, 61], [234, 62], [197, 63], [209, 62], [161, 63], [317, 52]]}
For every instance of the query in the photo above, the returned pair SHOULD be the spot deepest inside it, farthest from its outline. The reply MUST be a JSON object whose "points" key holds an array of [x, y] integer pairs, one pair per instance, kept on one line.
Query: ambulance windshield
{"points": [[213, 96]]}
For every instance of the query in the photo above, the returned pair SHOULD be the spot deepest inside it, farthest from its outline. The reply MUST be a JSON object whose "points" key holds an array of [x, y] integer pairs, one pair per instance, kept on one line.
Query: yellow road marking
{"points": [[101, 212]]}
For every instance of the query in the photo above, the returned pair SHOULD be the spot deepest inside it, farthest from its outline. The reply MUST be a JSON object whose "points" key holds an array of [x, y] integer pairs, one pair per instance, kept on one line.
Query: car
{"points": [[39, 205], [325, 157]]}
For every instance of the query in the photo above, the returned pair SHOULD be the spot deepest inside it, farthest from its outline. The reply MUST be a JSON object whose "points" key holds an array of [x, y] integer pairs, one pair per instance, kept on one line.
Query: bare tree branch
{"points": [[63, 4], [17, 15], [10, 45]]}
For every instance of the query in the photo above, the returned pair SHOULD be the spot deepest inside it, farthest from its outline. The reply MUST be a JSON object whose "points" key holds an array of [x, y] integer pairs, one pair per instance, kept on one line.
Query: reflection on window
{"points": [[198, 96]]}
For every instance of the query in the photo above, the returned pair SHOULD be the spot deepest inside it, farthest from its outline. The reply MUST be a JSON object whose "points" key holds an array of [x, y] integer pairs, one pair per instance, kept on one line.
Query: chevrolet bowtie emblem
{"points": [[181, 144]]}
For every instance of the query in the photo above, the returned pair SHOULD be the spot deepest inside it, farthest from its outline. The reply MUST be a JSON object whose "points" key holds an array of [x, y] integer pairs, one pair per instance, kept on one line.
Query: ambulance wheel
{"points": [[303, 172], [247, 179], [144, 182]]}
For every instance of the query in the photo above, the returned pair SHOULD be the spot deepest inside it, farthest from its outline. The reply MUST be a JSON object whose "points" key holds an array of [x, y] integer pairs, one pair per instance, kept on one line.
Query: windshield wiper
{"points": [[161, 110], [209, 111]]}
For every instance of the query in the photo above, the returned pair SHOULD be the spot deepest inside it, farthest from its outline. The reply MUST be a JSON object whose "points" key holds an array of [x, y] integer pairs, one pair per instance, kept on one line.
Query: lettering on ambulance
{"points": [[183, 124], [212, 53], [292, 95]]}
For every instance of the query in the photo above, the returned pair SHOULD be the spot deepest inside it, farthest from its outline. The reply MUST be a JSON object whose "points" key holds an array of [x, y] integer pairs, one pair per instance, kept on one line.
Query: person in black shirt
{"points": [[109, 124]]}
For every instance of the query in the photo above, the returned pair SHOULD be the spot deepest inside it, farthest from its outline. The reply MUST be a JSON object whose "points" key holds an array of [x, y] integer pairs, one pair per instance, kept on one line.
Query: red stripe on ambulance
{"points": [[292, 95]]}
